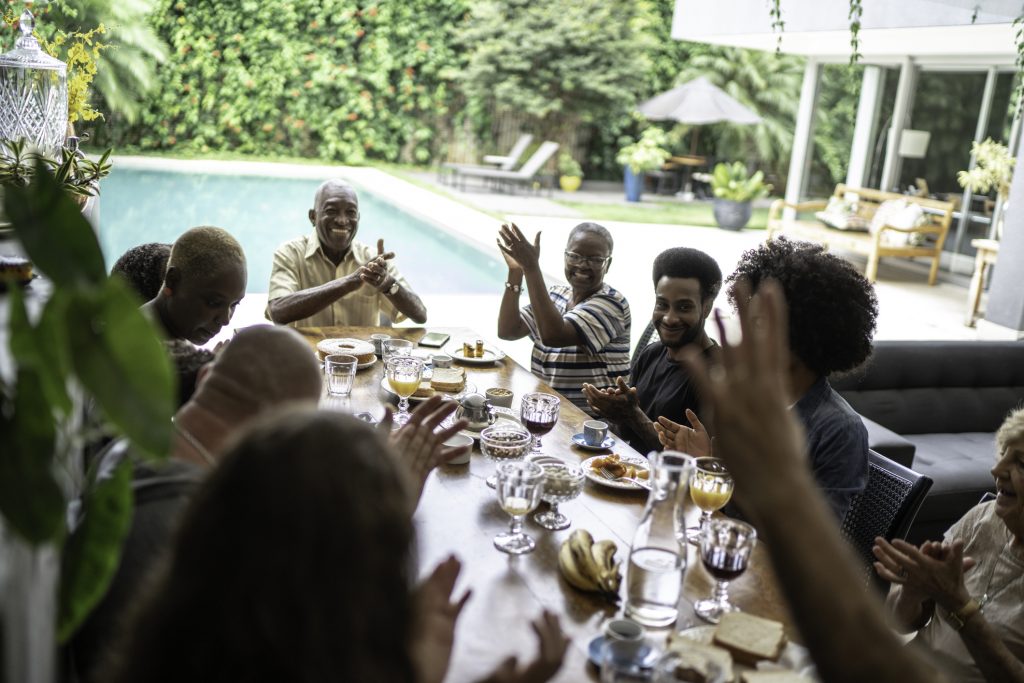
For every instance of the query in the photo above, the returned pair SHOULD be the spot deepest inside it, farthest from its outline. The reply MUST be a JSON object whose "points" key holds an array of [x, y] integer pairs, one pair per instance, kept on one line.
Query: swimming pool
{"points": [[141, 206]]}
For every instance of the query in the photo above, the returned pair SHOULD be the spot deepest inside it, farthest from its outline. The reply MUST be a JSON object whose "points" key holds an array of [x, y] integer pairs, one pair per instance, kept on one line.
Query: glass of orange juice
{"points": [[710, 489], [404, 374]]}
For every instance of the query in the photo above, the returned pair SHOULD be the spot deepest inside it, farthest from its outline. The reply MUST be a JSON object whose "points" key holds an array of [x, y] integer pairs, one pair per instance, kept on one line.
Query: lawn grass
{"points": [[671, 213]]}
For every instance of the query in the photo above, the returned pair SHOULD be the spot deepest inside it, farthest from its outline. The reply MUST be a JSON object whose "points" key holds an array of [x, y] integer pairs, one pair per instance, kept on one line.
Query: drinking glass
{"points": [[562, 482], [503, 442], [404, 374], [710, 489], [540, 414], [340, 369], [397, 347], [725, 547], [519, 488]]}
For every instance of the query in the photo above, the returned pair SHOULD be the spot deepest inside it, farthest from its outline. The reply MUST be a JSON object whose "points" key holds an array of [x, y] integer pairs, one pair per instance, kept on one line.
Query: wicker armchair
{"points": [[886, 508]]}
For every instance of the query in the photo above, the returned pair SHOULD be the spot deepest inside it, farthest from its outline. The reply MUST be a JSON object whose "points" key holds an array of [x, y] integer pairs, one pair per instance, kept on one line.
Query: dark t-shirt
{"points": [[837, 444], [663, 388]]}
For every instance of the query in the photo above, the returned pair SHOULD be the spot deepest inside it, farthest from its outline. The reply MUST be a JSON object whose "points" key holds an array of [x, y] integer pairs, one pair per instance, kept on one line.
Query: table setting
{"points": [[551, 510]]}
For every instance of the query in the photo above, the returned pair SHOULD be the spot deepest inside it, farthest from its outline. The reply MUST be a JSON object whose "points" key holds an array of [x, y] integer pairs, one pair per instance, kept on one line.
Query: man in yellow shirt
{"points": [[327, 278]]}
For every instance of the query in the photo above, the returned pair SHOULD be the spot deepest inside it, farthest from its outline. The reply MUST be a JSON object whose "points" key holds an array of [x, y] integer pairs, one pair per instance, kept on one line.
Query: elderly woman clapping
{"points": [[965, 593]]}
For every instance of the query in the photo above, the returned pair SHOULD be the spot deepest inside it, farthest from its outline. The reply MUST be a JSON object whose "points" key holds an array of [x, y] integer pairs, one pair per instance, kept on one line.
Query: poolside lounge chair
{"points": [[503, 163], [526, 175]]}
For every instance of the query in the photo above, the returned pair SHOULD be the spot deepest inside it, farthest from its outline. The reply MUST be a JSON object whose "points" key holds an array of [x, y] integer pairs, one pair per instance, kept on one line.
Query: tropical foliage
{"points": [[731, 182], [646, 154], [562, 64], [994, 169]]}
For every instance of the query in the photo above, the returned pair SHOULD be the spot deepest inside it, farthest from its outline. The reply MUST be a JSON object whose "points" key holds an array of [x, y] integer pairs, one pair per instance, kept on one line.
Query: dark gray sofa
{"points": [[934, 406]]}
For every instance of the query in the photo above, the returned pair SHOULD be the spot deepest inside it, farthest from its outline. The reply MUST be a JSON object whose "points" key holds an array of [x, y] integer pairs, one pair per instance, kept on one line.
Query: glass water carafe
{"points": [[656, 560]]}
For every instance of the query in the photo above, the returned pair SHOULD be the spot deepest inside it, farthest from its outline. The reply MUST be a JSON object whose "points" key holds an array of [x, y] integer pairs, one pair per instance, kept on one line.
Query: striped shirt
{"points": [[301, 264], [602, 322]]}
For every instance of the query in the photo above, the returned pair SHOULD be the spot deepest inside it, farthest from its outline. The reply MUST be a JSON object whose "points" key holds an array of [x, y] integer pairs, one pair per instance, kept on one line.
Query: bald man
{"points": [[327, 278]]}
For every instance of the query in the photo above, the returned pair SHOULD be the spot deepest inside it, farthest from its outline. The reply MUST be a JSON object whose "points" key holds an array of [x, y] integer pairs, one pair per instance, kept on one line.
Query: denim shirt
{"points": [[837, 444]]}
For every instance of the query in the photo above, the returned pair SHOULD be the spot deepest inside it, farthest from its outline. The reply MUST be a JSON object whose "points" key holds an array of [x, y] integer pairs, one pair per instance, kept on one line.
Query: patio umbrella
{"points": [[697, 102]]}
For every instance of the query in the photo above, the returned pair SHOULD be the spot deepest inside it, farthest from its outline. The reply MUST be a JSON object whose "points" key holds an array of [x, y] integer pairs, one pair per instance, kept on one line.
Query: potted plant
{"points": [[993, 171], [570, 173], [77, 175], [646, 154], [734, 191]]}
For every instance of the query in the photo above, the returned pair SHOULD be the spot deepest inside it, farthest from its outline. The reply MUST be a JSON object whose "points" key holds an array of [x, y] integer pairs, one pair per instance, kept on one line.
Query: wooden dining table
{"points": [[459, 515]]}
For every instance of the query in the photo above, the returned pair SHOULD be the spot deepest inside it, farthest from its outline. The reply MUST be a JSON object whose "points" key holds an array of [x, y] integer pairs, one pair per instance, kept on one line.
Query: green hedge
{"points": [[316, 78]]}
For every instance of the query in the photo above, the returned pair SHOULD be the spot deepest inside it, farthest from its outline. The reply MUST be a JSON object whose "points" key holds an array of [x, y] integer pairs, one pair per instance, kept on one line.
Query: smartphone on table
{"points": [[434, 339]]}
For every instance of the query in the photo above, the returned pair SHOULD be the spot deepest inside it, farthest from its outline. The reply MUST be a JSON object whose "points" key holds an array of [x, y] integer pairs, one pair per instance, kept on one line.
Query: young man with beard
{"points": [[327, 278], [580, 333], [686, 282]]}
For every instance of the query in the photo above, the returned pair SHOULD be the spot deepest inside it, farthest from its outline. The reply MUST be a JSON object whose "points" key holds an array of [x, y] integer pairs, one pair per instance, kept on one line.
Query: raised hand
{"points": [[436, 615], [375, 272], [616, 403], [517, 250], [419, 443], [935, 570], [693, 441]]}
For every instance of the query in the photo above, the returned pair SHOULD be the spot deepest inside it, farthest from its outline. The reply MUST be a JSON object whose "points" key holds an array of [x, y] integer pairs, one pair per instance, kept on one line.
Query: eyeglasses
{"points": [[574, 259]]}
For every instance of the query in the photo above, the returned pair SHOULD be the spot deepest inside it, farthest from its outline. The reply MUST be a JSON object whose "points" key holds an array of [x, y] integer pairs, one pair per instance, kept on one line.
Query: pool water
{"points": [[141, 206]]}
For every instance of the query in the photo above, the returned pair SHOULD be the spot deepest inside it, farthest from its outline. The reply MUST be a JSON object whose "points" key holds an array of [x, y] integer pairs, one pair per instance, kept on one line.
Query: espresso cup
{"points": [[441, 360], [625, 630], [595, 432], [499, 396]]}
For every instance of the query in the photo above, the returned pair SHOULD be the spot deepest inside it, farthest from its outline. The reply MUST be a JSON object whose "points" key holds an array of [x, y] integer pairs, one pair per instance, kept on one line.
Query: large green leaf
{"points": [[120, 360], [58, 239], [93, 551], [42, 347], [30, 499]]}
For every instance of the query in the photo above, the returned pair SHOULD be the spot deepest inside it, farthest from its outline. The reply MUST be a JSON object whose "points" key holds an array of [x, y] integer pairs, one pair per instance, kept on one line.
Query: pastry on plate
{"points": [[362, 350]]}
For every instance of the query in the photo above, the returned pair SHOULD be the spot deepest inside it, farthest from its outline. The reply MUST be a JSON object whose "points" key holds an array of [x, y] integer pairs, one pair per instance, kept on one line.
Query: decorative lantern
{"points": [[33, 93]]}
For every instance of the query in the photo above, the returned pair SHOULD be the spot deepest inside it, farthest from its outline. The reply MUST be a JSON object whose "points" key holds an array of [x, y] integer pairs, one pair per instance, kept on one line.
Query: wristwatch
{"points": [[958, 618], [393, 289]]}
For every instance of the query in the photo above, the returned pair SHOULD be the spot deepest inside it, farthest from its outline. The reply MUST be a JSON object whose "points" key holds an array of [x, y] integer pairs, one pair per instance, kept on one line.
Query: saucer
{"points": [[645, 658], [577, 439]]}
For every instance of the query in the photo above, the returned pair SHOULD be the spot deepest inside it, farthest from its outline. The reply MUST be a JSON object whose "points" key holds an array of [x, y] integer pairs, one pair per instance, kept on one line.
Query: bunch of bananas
{"points": [[590, 566]]}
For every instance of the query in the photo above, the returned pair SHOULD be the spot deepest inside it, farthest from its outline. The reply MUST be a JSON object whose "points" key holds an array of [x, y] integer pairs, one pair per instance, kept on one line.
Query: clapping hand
{"points": [[420, 444], [690, 440], [614, 403], [375, 272], [935, 570], [518, 252], [552, 646]]}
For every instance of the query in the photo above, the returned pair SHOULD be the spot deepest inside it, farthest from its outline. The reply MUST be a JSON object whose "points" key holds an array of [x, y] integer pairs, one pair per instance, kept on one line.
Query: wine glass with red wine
{"points": [[725, 547], [539, 413]]}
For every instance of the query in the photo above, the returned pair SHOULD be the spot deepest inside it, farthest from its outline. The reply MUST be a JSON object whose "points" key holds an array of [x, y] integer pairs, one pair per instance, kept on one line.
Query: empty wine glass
{"points": [[562, 483], [404, 374], [397, 347], [711, 488], [519, 488], [539, 413], [725, 547]]}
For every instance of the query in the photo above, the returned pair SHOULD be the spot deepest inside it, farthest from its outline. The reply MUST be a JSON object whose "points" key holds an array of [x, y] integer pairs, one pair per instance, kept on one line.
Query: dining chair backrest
{"points": [[517, 151], [646, 337], [540, 157], [887, 507]]}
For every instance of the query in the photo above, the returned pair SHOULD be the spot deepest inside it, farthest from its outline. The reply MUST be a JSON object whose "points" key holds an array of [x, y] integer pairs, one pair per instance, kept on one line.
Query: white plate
{"points": [[470, 388], [491, 355], [609, 441], [593, 475], [793, 657], [367, 364]]}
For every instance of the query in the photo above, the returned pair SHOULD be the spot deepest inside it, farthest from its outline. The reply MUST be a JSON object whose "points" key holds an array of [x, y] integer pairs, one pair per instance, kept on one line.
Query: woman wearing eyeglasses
{"points": [[580, 333]]}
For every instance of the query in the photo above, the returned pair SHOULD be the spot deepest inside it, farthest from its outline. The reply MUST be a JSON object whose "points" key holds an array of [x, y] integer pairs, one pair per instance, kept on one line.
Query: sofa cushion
{"points": [[889, 443], [958, 465], [932, 387]]}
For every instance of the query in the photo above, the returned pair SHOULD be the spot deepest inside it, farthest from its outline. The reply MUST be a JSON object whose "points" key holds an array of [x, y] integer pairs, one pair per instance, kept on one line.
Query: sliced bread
{"points": [[448, 379], [424, 390], [698, 663], [773, 677], [749, 638]]}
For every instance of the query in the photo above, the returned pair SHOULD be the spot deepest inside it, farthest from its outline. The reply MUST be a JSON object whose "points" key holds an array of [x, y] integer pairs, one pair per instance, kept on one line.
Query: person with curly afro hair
{"points": [[832, 315], [143, 268]]}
